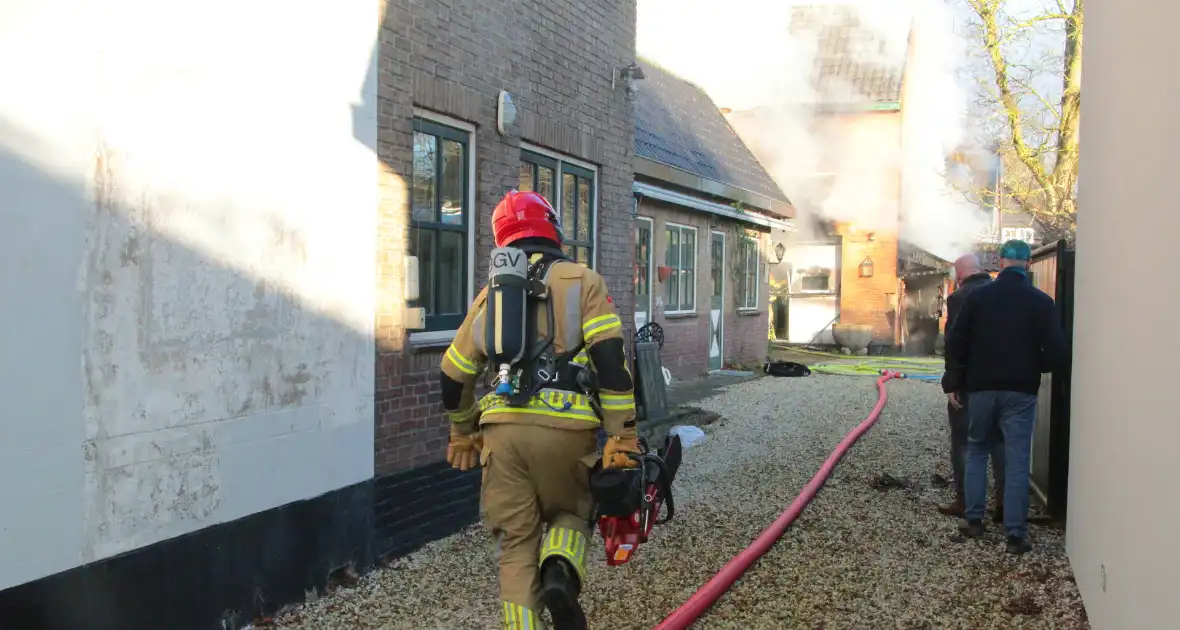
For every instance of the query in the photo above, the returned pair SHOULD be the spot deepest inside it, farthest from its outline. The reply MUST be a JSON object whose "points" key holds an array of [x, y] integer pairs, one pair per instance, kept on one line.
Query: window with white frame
{"points": [[680, 242], [747, 272], [438, 221], [571, 190]]}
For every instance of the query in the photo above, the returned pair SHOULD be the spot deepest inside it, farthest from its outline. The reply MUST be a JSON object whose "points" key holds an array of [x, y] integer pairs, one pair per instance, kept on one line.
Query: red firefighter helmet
{"points": [[524, 214]]}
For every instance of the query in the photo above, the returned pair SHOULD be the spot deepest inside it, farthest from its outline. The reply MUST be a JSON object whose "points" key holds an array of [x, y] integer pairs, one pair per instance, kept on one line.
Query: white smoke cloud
{"points": [[743, 54], [936, 214]]}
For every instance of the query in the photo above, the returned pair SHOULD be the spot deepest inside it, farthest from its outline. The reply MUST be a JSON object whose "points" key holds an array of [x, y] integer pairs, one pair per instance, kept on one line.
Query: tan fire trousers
{"points": [[535, 476]]}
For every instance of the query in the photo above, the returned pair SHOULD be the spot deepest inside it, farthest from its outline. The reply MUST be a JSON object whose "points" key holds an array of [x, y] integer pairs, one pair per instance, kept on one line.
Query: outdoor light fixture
{"points": [[779, 251], [631, 73], [866, 268], [505, 112]]}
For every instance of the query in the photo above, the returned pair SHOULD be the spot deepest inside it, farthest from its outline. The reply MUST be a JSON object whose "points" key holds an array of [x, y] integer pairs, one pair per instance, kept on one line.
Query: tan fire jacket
{"points": [[582, 311]]}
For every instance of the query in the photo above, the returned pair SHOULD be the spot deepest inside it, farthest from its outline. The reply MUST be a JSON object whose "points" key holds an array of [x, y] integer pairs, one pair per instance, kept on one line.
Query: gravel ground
{"points": [[861, 556]]}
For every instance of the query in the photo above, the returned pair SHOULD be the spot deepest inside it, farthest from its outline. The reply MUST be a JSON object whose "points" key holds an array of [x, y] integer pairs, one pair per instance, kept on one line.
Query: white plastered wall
{"points": [[1124, 517], [187, 259]]}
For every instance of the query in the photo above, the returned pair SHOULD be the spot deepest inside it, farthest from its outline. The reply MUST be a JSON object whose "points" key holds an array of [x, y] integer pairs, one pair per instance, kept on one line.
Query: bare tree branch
{"points": [[1039, 152]]}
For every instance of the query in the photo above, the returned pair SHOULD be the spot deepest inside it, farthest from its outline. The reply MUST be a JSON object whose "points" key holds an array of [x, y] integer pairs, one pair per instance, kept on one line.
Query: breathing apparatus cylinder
{"points": [[506, 313]]}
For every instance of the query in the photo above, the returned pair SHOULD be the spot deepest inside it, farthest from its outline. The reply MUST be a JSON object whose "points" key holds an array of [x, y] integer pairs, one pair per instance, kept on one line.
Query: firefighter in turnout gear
{"points": [[547, 334]]}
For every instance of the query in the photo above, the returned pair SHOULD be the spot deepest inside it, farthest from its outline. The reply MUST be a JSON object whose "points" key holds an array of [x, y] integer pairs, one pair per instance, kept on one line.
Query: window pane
{"points": [[740, 276], [583, 209], [422, 246], [814, 283], [584, 256], [568, 192], [526, 177], [716, 263], [545, 183], [688, 251], [642, 241], [673, 296], [569, 251], [672, 253], [452, 183], [689, 282], [425, 147], [752, 270], [450, 272]]}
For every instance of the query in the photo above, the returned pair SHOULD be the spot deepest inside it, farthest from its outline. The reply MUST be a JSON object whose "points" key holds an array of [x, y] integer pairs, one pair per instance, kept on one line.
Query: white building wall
{"points": [[1125, 419], [812, 314], [187, 260]]}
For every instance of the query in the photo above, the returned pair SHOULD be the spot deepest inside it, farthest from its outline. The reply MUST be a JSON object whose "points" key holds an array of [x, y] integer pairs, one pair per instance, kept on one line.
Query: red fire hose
{"points": [[696, 605]]}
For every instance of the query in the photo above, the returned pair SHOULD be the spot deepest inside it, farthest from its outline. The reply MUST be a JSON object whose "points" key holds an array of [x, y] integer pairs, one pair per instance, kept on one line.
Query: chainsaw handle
{"points": [[665, 485]]}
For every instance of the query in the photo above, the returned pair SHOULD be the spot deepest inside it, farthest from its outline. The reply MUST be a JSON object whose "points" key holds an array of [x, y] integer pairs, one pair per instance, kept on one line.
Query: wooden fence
{"points": [[1052, 271]]}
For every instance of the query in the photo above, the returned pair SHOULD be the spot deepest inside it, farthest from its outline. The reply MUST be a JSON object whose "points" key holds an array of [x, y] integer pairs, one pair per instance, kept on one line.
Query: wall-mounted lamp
{"points": [[780, 250], [866, 268], [505, 112], [630, 73]]}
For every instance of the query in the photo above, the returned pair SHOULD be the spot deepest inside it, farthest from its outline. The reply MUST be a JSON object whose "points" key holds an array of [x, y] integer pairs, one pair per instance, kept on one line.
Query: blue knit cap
{"points": [[1015, 250]]}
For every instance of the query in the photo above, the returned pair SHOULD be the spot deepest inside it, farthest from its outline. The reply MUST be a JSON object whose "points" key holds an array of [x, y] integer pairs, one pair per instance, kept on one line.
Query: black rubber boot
{"points": [[560, 589]]}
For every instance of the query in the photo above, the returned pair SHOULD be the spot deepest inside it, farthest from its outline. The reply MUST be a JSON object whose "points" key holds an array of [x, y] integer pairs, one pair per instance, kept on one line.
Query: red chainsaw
{"points": [[630, 500]]}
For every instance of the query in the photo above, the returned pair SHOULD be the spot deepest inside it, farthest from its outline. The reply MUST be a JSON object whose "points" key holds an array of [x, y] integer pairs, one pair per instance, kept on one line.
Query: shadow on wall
{"points": [[210, 411]]}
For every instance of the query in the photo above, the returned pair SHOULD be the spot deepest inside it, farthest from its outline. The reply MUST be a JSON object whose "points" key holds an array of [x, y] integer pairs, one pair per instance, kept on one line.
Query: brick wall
{"points": [[686, 336], [453, 58], [875, 207], [869, 301]]}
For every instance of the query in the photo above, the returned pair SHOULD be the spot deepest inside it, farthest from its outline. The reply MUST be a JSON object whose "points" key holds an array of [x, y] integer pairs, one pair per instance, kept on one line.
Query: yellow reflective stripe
{"points": [[478, 331], [459, 417], [585, 416], [581, 358], [463, 363], [600, 324], [547, 402], [517, 617], [617, 401], [569, 544]]}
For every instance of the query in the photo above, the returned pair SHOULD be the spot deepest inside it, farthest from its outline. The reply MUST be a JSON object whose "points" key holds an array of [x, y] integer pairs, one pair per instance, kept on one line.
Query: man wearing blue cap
{"points": [[1007, 335]]}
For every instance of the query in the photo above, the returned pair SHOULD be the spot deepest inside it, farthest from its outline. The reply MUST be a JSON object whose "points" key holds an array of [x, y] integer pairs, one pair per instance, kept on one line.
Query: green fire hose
{"points": [[926, 369]]}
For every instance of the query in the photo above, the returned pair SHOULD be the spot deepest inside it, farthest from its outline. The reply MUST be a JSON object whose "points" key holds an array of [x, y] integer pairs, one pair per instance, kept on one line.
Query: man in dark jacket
{"points": [[968, 277], [1007, 335]]}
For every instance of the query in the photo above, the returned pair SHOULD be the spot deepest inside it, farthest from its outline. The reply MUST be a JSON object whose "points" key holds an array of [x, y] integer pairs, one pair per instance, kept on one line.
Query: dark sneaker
{"points": [[1018, 545], [972, 529], [559, 593]]}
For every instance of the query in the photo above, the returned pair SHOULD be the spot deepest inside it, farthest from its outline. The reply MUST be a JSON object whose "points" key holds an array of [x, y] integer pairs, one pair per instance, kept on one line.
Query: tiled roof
{"points": [[677, 124], [858, 59]]}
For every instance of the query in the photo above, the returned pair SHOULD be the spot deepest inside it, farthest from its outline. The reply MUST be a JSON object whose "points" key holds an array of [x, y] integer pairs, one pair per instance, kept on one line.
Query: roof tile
{"points": [[677, 124], [854, 63]]}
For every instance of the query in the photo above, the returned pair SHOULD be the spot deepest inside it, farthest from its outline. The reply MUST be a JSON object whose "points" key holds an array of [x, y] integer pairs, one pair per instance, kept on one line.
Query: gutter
{"points": [[711, 207], [856, 108]]}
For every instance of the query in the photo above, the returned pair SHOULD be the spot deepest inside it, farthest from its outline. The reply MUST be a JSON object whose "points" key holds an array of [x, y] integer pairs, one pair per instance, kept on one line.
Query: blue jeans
{"points": [[1015, 414], [959, 423]]}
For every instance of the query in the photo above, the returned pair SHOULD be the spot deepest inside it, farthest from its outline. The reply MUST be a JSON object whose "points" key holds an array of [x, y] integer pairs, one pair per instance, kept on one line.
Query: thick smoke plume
{"points": [[749, 58]]}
